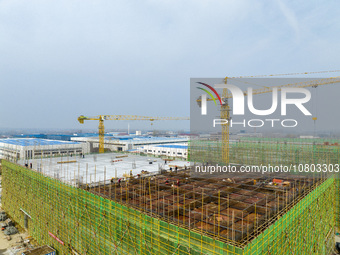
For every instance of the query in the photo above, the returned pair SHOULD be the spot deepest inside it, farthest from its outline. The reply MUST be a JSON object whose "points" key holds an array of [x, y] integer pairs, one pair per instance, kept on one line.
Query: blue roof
{"points": [[158, 138], [145, 138], [34, 142], [32, 136], [173, 146], [90, 135]]}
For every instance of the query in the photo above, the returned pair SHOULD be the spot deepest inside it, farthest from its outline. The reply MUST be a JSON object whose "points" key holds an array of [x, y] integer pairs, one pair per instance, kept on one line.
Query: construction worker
{"points": [[167, 181], [177, 182]]}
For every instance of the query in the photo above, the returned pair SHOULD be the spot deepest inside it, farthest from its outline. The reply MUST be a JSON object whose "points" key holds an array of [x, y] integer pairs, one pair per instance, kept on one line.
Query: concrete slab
{"points": [[97, 167]]}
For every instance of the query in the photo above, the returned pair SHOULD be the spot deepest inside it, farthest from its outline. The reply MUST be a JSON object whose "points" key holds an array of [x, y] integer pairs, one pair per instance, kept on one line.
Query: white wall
{"points": [[13, 152], [164, 151]]}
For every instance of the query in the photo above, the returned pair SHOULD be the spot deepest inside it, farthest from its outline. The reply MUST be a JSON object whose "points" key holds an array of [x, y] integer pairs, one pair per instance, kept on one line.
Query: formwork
{"points": [[152, 216]]}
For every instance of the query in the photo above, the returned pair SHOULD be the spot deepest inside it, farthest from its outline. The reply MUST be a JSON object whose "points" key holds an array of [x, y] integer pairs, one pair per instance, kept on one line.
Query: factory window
{"points": [[163, 151], [179, 153], [150, 150]]}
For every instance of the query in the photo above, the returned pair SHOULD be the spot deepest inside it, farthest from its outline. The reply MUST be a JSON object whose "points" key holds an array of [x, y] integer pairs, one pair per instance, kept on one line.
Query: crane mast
{"points": [[101, 133], [225, 108], [225, 114], [101, 127]]}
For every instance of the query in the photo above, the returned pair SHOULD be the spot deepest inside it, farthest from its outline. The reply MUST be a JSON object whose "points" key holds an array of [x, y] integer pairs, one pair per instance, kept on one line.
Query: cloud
{"points": [[290, 17], [63, 58]]}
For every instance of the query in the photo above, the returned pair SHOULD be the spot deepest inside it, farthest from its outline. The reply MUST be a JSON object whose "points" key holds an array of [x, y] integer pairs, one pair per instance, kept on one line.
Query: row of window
{"points": [[30, 153], [164, 152], [56, 152]]}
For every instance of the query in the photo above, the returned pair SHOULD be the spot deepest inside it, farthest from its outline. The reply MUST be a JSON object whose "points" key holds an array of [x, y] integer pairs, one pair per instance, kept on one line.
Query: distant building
{"points": [[126, 142], [308, 136], [29, 148], [168, 150]]}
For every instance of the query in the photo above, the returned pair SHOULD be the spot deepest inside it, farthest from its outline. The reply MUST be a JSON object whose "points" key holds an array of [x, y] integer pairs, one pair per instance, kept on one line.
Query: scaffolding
{"points": [[173, 214], [274, 151]]}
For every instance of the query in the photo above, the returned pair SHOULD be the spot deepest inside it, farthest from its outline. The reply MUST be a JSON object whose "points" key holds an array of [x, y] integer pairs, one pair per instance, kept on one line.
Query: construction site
{"points": [[274, 151], [86, 206], [172, 213], [125, 203]]}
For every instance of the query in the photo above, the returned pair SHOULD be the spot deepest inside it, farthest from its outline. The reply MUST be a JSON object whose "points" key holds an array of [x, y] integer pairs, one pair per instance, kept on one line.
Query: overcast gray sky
{"points": [[60, 59]]}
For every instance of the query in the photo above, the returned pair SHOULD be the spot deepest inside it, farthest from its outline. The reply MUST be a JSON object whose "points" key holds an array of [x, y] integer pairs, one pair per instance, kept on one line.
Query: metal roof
{"points": [[146, 138], [34, 142], [174, 146]]}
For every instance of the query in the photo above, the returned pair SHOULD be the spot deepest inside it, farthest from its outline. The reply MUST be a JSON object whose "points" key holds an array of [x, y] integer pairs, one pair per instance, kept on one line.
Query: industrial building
{"points": [[126, 142], [154, 215], [30, 148], [161, 211], [179, 150]]}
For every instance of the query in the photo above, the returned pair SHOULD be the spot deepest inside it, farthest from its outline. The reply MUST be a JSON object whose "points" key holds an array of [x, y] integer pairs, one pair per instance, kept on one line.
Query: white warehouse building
{"points": [[169, 150], [127, 143], [29, 148]]}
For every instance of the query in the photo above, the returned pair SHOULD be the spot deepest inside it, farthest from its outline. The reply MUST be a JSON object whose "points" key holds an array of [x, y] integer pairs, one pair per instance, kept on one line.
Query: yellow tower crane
{"points": [[101, 118], [225, 108]]}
